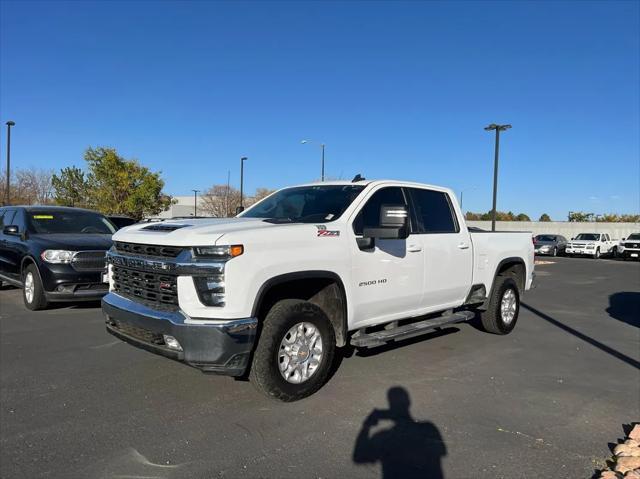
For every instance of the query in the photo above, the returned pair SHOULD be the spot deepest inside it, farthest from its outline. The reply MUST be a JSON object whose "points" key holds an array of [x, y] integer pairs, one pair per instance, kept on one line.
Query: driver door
{"points": [[388, 278]]}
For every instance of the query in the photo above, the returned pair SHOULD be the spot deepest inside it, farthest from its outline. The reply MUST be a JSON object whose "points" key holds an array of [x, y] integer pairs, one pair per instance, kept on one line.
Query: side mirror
{"points": [[624, 239], [394, 223], [572, 239], [239, 209], [11, 230]]}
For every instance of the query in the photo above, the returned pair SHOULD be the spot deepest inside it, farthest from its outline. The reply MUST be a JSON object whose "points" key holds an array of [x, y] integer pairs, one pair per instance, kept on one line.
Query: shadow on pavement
{"points": [[625, 307], [603, 347], [406, 449]]}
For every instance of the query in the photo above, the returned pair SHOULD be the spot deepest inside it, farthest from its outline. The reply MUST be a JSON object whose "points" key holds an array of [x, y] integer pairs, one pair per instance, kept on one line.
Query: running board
{"points": [[378, 338]]}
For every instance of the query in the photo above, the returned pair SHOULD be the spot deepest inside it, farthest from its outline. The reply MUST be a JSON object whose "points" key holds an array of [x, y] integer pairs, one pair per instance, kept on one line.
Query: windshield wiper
{"points": [[279, 220]]}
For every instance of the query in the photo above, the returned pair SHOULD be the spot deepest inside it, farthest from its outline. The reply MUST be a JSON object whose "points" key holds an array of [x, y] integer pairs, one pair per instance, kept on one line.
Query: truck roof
{"points": [[372, 182]]}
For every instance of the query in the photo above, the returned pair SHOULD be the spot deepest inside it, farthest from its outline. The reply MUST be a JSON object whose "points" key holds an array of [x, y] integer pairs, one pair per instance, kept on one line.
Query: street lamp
{"points": [[304, 142], [195, 202], [242, 160], [7, 195], [498, 129]]}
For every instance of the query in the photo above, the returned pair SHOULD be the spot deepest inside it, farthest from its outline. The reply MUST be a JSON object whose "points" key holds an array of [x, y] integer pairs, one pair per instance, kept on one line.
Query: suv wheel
{"points": [[596, 255], [504, 306], [295, 351], [32, 290]]}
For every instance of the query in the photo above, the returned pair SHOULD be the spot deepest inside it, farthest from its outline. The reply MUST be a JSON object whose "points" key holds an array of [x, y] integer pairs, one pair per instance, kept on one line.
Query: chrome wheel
{"points": [[300, 353], [29, 287], [508, 306]]}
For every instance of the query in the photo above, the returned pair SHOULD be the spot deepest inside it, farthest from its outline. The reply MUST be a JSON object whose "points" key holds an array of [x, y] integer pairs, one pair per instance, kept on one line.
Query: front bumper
{"points": [[62, 283], [215, 346], [583, 251], [629, 253]]}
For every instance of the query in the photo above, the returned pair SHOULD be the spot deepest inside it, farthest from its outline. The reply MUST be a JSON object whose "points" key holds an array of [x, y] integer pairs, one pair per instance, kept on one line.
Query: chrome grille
{"points": [[158, 290], [89, 261]]}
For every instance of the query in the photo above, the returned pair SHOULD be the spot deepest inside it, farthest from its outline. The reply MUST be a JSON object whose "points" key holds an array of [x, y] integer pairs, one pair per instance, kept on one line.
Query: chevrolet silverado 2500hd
{"points": [[274, 291]]}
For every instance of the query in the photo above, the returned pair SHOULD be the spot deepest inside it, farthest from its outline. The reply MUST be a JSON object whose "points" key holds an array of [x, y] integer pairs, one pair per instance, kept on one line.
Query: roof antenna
{"points": [[357, 178]]}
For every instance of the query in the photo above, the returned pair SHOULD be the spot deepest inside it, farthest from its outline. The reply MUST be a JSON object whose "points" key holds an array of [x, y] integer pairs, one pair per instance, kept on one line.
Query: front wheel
{"points": [[295, 351], [504, 306], [32, 290], [555, 252], [596, 255]]}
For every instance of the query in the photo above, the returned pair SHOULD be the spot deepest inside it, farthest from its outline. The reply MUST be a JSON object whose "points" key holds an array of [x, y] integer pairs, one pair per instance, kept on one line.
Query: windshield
{"points": [[588, 237], [306, 204], [634, 236], [68, 222], [545, 238]]}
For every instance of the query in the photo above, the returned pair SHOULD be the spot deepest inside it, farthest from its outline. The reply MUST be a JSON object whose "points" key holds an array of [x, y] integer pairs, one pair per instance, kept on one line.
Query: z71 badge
{"points": [[323, 231]]}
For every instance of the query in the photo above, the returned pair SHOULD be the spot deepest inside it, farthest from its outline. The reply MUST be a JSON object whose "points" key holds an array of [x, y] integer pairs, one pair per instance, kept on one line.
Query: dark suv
{"points": [[54, 253]]}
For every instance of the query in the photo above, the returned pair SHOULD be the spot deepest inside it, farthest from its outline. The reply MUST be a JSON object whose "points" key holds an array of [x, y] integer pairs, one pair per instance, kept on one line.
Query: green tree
{"points": [[544, 217], [522, 217], [70, 188], [579, 216]]}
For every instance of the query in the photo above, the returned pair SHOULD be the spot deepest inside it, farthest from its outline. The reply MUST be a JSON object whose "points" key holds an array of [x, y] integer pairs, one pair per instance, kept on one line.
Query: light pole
{"points": [[242, 160], [304, 142], [7, 194], [195, 202], [498, 129]]}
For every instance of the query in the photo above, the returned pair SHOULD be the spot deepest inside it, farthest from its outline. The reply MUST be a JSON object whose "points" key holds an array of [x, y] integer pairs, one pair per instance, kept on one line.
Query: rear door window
{"points": [[433, 211]]}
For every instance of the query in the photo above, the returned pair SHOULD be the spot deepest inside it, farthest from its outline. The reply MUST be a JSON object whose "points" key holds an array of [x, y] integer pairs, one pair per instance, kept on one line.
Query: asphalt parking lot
{"points": [[544, 401]]}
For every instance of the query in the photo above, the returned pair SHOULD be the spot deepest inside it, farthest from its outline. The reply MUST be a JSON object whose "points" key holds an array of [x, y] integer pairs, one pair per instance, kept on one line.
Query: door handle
{"points": [[414, 248], [463, 246]]}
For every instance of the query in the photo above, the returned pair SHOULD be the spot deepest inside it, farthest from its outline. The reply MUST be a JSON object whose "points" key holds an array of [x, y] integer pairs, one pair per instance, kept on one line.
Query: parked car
{"points": [[549, 244], [307, 270], [591, 244], [54, 253], [121, 221], [630, 247]]}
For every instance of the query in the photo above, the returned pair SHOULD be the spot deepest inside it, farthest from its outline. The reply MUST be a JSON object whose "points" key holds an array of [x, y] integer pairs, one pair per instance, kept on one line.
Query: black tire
{"points": [[38, 300], [265, 371], [596, 255], [492, 320]]}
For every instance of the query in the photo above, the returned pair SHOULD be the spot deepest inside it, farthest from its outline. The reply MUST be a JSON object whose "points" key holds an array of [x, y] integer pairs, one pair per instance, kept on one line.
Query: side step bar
{"points": [[378, 338]]}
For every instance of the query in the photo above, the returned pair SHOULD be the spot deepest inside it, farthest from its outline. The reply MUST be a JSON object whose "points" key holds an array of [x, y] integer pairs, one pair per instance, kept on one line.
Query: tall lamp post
{"points": [[498, 129], [195, 202], [7, 194], [304, 142], [242, 160]]}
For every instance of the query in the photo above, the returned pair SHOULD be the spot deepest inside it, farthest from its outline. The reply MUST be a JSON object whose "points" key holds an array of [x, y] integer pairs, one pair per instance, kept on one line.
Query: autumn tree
{"points": [[220, 201], [27, 187]]}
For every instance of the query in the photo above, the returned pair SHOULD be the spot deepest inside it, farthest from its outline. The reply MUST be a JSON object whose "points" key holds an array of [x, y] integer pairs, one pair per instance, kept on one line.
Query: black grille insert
{"points": [[89, 261], [147, 249], [158, 290], [140, 334]]}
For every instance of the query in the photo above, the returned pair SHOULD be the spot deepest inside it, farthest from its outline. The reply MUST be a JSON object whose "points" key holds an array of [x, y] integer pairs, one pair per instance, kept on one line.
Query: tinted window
{"points": [[1, 216], [8, 217], [306, 204], [433, 211], [68, 222], [369, 216], [19, 220]]}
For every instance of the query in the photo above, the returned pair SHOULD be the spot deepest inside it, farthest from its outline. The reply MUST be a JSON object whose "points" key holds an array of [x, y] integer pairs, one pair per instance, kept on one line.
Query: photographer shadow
{"points": [[407, 449]]}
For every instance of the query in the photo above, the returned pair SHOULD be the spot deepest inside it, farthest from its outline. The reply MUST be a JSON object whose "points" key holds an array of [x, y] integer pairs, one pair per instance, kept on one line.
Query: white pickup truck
{"points": [[273, 292], [591, 244]]}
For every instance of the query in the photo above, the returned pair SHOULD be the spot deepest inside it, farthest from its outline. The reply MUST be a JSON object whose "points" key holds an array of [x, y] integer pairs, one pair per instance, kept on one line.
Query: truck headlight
{"points": [[218, 252], [210, 289], [57, 256], [591, 246]]}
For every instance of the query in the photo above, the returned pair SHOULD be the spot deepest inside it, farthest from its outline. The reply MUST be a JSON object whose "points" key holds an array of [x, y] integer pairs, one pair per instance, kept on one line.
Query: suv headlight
{"points": [[57, 256], [591, 245]]}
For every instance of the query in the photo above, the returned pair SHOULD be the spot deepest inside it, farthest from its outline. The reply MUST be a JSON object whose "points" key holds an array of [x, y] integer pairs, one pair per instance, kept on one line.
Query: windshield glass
{"points": [[588, 237], [68, 222], [634, 236], [306, 204], [545, 238]]}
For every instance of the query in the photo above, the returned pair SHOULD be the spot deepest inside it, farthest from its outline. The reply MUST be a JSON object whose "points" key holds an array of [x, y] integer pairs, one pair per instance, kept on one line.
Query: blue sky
{"points": [[396, 90]]}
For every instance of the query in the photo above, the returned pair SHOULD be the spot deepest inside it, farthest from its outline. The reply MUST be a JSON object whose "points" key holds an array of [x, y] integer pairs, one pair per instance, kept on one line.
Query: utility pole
{"points": [[195, 202], [498, 129], [7, 192]]}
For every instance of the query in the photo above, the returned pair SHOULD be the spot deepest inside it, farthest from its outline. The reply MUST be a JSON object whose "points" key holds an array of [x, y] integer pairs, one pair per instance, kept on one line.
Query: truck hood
{"points": [[194, 232]]}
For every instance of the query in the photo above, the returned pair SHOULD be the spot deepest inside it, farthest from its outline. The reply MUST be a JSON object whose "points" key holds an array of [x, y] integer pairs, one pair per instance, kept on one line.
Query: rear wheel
{"points": [[504, 306], [32, 290], [295, 351]]}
